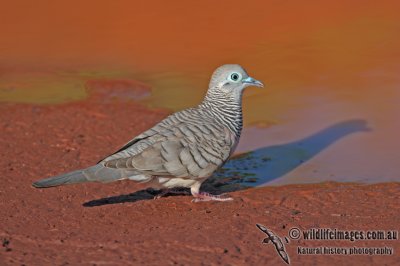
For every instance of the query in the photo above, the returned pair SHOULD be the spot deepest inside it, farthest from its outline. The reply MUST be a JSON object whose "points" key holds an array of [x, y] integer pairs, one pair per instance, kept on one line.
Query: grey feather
{"points": [[69, 178], [190, 144], [97, 173]]}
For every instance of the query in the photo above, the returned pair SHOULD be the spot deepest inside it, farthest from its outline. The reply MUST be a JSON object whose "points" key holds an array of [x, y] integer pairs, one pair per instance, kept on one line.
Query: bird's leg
{"points": [[175, 191], [204, 196]]}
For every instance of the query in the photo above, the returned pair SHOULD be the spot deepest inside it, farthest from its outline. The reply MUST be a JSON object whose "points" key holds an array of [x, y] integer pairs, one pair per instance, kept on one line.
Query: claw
{"points": [[203, 196]]}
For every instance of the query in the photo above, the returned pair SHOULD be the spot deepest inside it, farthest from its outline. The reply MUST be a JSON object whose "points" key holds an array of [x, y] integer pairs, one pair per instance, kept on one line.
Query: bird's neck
{"points": [[226, 109]]}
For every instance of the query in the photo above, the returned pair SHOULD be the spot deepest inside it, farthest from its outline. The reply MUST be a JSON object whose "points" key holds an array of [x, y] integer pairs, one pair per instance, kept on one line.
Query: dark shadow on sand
{"points": [[259, 166], [132, 197], [145, 194]]}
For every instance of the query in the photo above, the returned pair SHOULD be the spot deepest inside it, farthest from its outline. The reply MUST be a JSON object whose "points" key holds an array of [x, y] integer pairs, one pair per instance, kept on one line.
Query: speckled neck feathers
{"points": [[226, 108]]}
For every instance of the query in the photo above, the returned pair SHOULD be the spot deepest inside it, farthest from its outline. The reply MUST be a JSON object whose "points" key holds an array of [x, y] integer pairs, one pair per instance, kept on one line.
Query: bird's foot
{"points": [[173, 191], [204, 196]]}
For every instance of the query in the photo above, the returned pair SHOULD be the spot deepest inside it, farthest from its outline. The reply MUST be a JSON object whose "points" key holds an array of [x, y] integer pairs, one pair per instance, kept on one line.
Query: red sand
{"points": [[55, 226]]}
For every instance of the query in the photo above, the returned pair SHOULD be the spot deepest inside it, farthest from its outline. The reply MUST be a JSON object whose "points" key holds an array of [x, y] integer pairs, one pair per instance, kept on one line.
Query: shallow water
{"points": [[329, 111]]}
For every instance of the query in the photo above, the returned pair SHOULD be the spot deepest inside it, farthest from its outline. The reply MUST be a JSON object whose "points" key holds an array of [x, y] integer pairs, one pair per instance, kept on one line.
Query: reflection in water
{"points": [[266, 164]]}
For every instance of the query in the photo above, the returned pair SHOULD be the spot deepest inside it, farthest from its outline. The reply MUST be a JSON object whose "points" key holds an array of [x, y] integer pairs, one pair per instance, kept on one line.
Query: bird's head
{"points": [[231, 80]]}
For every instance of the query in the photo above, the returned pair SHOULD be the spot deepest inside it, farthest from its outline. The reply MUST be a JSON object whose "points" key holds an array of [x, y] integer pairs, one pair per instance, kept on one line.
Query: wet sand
{"points": [[97, 224]]}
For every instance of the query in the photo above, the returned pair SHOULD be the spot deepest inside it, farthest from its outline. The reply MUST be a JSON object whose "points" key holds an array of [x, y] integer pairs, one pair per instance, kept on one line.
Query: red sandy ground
{"points": [[53, 227]]}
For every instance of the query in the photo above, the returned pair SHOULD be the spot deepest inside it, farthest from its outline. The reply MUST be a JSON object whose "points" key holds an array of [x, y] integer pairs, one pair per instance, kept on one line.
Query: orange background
{"points": [[324, 62], [345, 49], [176, 34]]}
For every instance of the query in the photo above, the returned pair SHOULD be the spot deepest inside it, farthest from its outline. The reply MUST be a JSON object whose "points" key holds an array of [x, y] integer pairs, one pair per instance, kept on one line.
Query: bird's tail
{"points": [[97, 173]]}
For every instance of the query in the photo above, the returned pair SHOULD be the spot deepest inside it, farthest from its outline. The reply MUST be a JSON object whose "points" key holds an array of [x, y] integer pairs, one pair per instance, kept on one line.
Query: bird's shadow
{"points": [[259, 166], [145, 194]]}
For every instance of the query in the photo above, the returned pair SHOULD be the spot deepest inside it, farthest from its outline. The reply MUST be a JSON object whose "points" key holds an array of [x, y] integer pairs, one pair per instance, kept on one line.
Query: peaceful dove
{"points": [[184, 149]]}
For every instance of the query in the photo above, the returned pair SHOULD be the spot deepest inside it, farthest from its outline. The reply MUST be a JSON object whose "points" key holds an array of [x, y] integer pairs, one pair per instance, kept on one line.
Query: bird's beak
{"points": [[249, 81]]}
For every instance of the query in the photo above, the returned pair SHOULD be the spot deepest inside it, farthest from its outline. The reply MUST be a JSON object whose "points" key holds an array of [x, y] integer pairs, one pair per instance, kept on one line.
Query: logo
{"points": [[332, 234], [276, 241]]}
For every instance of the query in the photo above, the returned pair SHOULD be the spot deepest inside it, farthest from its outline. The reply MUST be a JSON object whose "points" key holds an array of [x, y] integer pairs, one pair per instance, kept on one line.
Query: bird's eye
{"points": [[235, 77]]}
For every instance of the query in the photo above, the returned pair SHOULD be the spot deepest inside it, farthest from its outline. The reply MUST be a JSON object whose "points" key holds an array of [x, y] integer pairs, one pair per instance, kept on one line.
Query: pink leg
{"points": [[204, 196]]}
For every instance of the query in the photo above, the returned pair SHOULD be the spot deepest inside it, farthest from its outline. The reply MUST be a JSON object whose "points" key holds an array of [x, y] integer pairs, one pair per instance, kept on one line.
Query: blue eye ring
{"points": [[235, 77]]}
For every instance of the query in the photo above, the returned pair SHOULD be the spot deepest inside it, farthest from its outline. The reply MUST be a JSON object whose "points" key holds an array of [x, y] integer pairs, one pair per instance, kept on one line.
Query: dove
{"points": [[184, 149]]}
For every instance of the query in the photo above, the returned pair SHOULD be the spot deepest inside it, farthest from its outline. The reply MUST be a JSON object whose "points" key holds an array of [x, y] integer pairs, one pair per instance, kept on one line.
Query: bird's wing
{"points": [[160, 127], [185, 149]]}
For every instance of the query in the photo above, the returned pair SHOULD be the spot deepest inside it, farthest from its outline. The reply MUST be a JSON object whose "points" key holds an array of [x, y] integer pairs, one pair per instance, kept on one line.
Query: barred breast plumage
{"points": [[185, 148]]}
